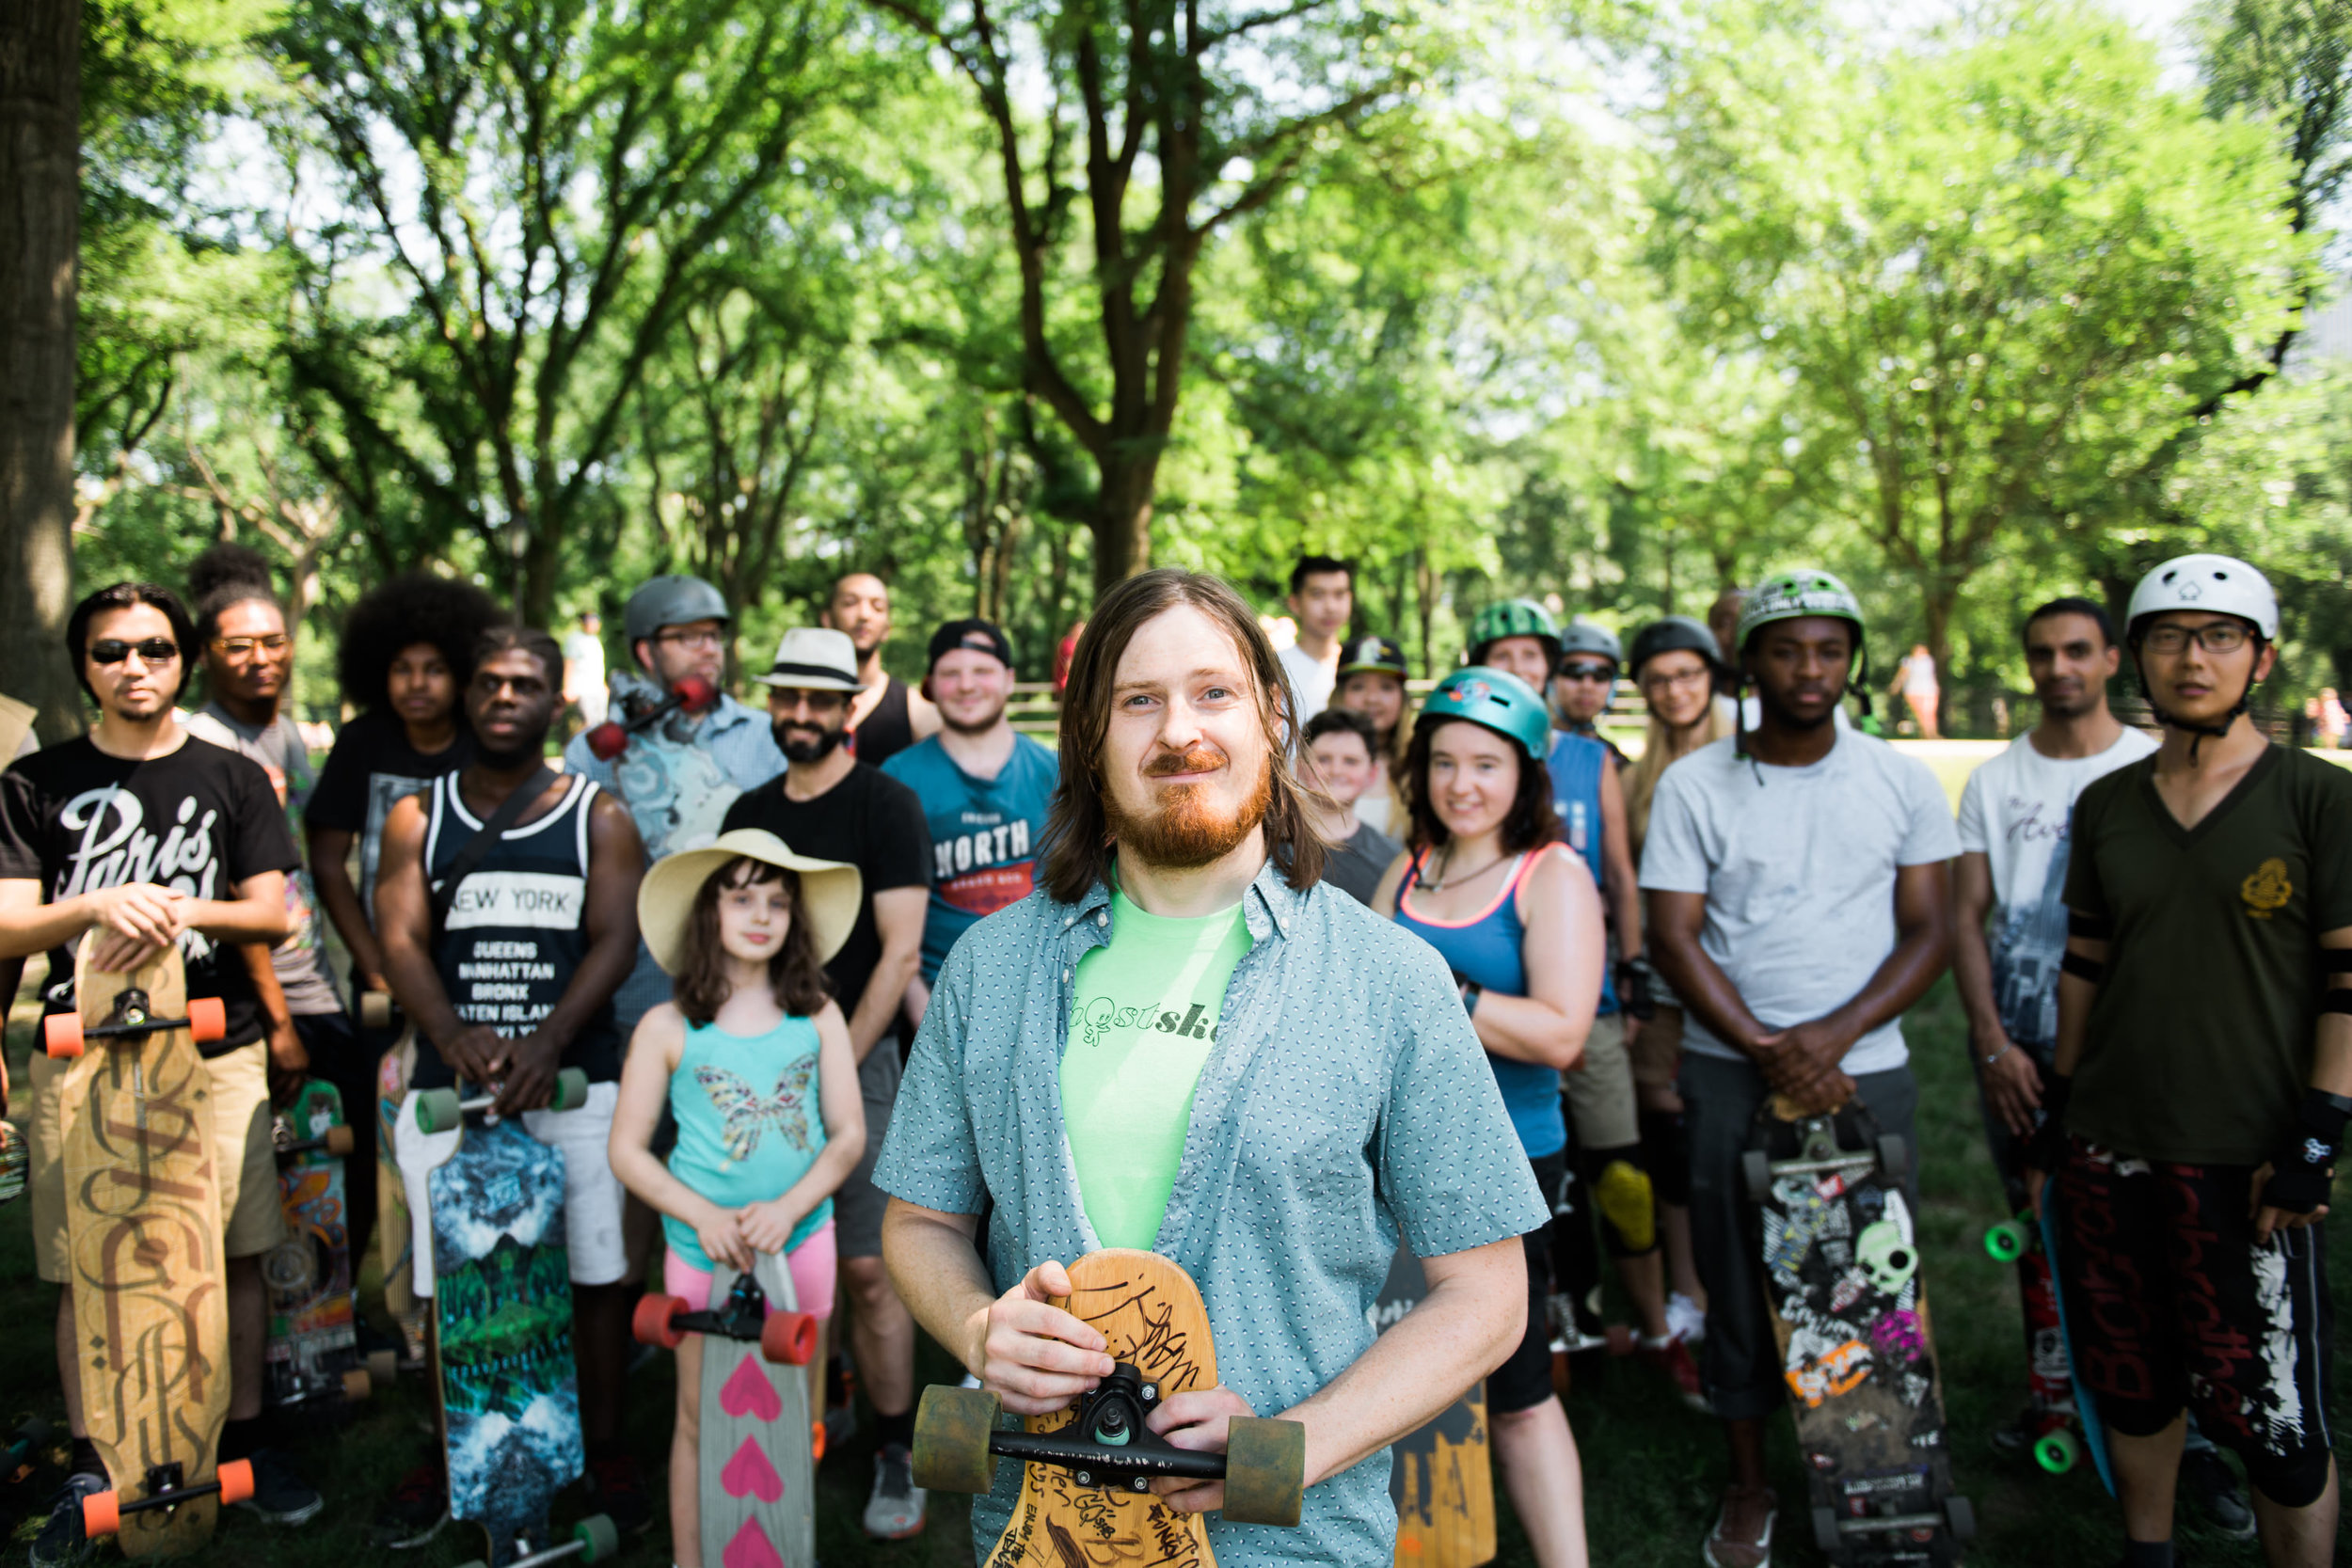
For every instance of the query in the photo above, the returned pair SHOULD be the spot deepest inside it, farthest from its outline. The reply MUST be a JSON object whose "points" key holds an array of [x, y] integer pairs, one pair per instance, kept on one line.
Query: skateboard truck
{"points": [[65, 1034], [610, 738], [103, 1511], [594, 1539], [442, 1110], [788, 1339], [1831, 1533], [1110, 1447], [336, 1140], [1818, 1153], [21, 1442]]}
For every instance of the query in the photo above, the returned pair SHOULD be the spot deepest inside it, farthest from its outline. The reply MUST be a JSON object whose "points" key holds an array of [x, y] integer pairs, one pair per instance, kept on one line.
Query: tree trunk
{"points": [[1121, 524], [40, 109]]}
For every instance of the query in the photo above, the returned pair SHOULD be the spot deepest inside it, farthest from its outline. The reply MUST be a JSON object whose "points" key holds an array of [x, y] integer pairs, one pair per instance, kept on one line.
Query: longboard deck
{"points": [[503, 1305], [144, 1223], [1441, 1476], [314, 1341], [395, 1233], [1151, 1313], [757, 1477], [2086, 1402]]}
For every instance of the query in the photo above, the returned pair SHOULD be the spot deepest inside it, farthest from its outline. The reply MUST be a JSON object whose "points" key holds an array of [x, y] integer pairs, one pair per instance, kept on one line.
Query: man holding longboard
{"points": [[142, 835]]}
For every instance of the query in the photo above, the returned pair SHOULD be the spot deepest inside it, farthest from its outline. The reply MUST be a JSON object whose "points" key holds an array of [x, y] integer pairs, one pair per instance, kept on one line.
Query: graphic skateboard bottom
{"points": [[1441, 1476]]}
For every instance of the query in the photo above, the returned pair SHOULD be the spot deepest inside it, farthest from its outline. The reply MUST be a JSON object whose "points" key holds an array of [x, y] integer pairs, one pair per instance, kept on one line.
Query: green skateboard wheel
{"points": [[2056, 1452], [1893, 1157], [1265, 1471], [951, 1429], [2009, 1241], [597, 1538], [437, 1110], [571, 1089], [1755, 1173]]}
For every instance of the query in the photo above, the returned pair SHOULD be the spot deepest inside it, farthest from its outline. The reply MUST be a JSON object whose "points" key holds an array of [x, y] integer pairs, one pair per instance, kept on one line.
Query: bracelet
{"points": [[1998, 1055]]}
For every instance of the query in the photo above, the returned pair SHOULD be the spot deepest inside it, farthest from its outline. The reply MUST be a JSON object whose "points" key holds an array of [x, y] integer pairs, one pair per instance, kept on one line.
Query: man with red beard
{"points": [[1184, 1042]]}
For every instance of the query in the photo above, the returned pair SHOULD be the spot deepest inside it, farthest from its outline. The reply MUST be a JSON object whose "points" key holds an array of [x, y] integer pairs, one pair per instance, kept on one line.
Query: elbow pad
{"points": [[2081, 968], [2303, 1169]]}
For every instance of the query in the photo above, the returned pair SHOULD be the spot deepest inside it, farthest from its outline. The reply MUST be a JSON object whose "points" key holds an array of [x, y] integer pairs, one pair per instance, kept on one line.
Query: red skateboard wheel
{"points": [[606, 740], [816, 1442], [208, 1018], [788, 1337], [101, 1514], [236, 1480], [62, 1034], [652, 1321]]}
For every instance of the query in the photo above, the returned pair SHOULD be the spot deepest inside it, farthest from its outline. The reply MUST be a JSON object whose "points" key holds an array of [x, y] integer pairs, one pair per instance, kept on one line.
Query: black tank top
{"points": [[888, 729], [517, 929]]}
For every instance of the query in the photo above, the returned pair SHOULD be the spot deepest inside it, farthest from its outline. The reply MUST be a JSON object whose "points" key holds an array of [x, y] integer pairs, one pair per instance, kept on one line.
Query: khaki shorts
{"points": [[1657, 1050], [242, 1160], [1601, 1092]]}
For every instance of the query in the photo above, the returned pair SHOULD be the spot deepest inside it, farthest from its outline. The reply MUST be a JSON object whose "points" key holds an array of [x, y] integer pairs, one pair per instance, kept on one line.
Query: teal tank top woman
{"points": [[748, 1123]]}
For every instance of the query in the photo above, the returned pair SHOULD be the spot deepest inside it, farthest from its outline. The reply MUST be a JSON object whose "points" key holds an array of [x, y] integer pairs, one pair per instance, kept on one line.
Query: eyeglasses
{"points": [[693, 639], [238, 647], [2215, 637], [1661, 681], [151, 650], [1587, 672]]}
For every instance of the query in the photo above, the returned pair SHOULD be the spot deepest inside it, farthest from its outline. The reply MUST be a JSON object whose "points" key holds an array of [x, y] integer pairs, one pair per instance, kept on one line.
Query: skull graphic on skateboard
{"points": [[1087, 1471], [143, 1221], [1850, 1311], [760, 1448]]}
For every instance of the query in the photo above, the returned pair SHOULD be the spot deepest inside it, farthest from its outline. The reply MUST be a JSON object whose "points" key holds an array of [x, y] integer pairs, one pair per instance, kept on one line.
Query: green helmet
{"points": [[1514, 618], [1496, 698], [1791, 595]]}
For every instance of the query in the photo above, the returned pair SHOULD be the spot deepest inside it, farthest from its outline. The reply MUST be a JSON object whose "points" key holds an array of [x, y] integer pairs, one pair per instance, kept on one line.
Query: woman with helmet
{"points": [[2203, 1080], [1372, 678], [1516, 918], [1517, 636]]}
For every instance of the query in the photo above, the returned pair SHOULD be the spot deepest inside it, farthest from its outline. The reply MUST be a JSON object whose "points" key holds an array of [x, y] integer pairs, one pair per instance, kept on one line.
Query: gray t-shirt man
{"points": [[1798, 865], [279, 747]]}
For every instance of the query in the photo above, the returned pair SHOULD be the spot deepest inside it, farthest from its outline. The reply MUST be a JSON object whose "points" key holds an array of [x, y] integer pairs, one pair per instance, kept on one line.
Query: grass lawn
{"points": [[1651, 1467]]}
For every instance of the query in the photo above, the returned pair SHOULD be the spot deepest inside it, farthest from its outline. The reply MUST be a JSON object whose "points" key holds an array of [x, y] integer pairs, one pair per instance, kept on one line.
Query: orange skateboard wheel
{"points": [[236, 1480], [653, 1322], [338, 1141], [101, 1514], [816, 1442], [208, 1018], [788, 1337], [62, 1034]]}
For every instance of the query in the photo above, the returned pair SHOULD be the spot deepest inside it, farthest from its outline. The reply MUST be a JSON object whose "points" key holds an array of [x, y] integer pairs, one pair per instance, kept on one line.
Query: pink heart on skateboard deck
{"points": [[749, 1396], [749, 1472], [750, 1549]]}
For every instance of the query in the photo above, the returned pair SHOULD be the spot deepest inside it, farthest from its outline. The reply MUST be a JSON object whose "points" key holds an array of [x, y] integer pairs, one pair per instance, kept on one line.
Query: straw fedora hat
{"points": [[830, 891]]}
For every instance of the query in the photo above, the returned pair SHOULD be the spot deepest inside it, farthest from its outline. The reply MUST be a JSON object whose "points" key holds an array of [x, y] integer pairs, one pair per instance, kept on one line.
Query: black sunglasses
{"points": [[113, 650]]}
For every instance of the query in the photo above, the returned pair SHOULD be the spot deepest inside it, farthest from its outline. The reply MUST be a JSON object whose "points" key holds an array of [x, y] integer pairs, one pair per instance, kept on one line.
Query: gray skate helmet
{"points": [[671, 600]]}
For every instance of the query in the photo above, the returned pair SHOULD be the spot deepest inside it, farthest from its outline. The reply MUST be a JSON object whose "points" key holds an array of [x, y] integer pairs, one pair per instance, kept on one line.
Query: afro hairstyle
{"points": [[224, 576], [413, 607]]}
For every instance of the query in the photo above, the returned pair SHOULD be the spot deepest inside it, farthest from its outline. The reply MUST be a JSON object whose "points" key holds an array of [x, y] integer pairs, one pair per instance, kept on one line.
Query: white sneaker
{"points": [[1684, 1320], [894, 1512]]}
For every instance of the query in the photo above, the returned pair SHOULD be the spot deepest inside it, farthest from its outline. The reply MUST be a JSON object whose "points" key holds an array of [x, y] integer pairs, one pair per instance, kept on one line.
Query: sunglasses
{"points": [[1587, 672], [151, 650]]}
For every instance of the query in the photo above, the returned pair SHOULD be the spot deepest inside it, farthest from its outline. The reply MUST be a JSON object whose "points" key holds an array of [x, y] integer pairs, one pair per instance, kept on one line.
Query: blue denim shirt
{"points": [[1347, 1106]]}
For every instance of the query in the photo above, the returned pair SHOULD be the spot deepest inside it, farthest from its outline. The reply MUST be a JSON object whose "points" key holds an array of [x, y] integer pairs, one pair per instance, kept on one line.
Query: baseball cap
{"points": [[971, 632]]}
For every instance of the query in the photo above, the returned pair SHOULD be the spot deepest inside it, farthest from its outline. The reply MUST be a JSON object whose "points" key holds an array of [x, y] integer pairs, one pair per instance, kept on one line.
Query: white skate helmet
{"points": [[2219, 583]]}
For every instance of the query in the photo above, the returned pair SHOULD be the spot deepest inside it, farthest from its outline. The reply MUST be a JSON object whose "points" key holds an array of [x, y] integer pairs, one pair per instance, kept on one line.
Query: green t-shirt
{"points": [[2199, 1045], [1144, 1016]]}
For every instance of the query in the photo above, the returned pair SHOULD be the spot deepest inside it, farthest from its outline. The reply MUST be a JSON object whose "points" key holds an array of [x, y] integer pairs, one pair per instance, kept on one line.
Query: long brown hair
{"points": [[798, 980], [1530, 822], [1077, 847]]}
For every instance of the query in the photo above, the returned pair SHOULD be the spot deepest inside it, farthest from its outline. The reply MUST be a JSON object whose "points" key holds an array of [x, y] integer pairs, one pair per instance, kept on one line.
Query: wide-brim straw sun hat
{"points": [[830, 893]]}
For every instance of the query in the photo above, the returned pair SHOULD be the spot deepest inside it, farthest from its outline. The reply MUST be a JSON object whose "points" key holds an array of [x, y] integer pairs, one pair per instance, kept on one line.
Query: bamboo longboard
{"points": [[143, 1215], [758, 1463], [1443, 1477]]}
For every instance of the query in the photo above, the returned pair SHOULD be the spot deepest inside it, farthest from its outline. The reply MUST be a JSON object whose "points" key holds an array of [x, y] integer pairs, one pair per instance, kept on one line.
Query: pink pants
{"points": [[811, 1264]]}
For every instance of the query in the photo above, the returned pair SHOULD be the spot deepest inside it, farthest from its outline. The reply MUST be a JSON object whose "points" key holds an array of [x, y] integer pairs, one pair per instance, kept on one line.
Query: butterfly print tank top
{"points": [[748, 1123]]}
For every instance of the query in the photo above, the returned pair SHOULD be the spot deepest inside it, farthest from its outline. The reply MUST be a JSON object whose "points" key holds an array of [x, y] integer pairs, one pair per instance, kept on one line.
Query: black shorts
{"points": [[2171, 1305], [1524, 1379]]}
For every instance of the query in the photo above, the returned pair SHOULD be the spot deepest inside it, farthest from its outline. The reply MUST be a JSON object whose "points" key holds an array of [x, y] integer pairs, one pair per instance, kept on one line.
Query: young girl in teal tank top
{"points": [[753, 1057]]}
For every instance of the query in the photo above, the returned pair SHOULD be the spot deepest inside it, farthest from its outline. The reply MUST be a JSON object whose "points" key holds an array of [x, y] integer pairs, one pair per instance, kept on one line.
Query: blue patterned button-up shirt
{"points": [[1347, 1106]]}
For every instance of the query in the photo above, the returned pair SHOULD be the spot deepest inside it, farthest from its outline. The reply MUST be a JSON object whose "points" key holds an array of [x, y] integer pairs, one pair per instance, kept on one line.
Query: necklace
{"points": [[1434, 884]]}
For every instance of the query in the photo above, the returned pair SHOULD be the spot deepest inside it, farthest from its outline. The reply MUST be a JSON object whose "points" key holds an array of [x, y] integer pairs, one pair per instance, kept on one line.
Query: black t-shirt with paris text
{"points": [[200, 819]]}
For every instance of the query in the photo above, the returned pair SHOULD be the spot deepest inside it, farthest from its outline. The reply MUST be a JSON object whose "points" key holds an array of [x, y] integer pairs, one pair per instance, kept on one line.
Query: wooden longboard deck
{"points": [[313, 1340], [503, 1303], [395, 1233], [1443, 1476], [758, 1473], [144, 1221], [1150, 1311]]}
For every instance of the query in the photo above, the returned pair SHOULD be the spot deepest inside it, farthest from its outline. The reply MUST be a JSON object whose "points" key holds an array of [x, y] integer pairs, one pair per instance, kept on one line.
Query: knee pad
{"points": [[1622, 1192], [1666, 1151], [2290, 1480]]}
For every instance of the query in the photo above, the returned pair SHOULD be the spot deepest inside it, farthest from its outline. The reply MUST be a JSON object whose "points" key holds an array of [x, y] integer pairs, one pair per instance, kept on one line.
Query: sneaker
{"points": [[1685, 1318], [894, 1512], [840, 1403], [280, 1495], [1673, 1357], [1742, 1536], [417, 1509], [2214, 1484], [617, 1488], [61, 1542]]}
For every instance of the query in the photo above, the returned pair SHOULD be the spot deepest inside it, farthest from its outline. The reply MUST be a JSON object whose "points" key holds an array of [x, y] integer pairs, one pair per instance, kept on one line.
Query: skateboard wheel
{"points": [[1755, 1173], [571, 1089], [951, 1429], [653, 1323], [816, 1441], [1622, 1340], [236, 1480], [62, 1034], [382, 1368], [788, 1339], [208, 1018], [1825, 1532], [437, 1110], [1265, 1471], [2007, 1240], [375, 1009], [101, 1514], [1894, 1156], [597, 1538], [1959, 1514], [357, 1385], [339, 1142], [606, 740], [2056, 1452]]}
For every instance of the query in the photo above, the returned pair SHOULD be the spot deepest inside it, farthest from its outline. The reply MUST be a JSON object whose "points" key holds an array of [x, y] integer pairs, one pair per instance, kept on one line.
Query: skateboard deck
{"points": [[312, 1351], [395, 1238], [15, 1159], [2086, 1407], [1443, 1476], [1850, 1312], [1084, 1500], [502, 1305], [144, 1222]]}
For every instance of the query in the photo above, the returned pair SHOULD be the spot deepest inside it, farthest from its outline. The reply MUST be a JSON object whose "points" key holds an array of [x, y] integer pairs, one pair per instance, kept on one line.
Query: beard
{"points": [[1187, 831], [794, 742], [975, 726]]}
